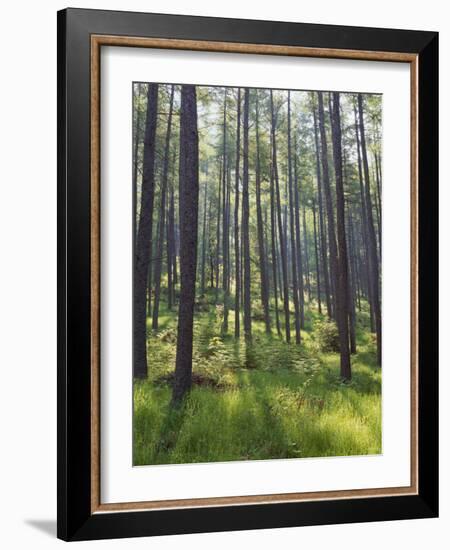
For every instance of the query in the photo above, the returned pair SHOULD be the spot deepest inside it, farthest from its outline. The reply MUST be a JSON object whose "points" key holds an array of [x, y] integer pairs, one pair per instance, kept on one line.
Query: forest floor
{"points": [[271, 400]]}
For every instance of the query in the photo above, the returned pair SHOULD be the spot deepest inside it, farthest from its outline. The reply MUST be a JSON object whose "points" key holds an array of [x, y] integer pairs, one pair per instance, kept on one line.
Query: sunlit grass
{"points": [[271, 401]]}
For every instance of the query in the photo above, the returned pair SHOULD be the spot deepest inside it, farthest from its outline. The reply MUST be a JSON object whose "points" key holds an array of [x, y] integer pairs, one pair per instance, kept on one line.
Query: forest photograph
{"points": [[256, 273]]}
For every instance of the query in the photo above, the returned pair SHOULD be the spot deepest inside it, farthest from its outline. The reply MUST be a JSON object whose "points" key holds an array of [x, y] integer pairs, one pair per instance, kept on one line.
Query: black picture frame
{"points": [[75, 519]]}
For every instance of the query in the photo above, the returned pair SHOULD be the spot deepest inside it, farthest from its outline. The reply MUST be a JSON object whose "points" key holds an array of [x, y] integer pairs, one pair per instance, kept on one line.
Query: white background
{"points": [[28, 274], [119, 481]]}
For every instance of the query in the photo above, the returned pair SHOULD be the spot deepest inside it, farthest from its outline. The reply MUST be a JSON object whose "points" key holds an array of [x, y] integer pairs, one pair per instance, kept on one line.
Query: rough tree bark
{"points": [[342, 301], [245, 226], [305, 248], [281, 235], [217, 262], [328, 200], [365, 238], [316, 257], [144, 238], [322, 232], [203, 262], [162, 214], [298, 245], [274, 247], [261, 248], [350, 273], [292, 231], [188, 193], [237, 252], [170, 248], [225, 218], [373, 257], [137, 137]]}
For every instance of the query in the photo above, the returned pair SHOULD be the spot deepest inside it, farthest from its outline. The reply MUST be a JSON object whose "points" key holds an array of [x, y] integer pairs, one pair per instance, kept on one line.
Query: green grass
{"points": [[272, 400]]}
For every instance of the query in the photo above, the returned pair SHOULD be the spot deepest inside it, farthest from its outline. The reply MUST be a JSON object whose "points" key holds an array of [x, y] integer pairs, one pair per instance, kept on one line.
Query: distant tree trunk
{"points": [[176, 253], [237, 252], [211, 264], [342, 275], [170, 248], [218, 236], [245, 227], [373, 258], [298, 246], [262, 252], [285, 230], [305, 247], [162, 212], [380, 212], [292, 231], [283, 249], [352, 283], [316, 254], [137, 137], [354, 259], [188, 200], [171, 233], [274, 248], [364, 223], [267, 246], [322, 231], [350, 272], [328, 200], [203, 264], [150, 278], [228, 260], [144, 238], [225, 219]]}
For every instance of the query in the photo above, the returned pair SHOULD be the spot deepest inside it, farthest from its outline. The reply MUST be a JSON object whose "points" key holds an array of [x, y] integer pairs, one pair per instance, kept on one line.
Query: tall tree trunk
{"points": [[316, 254], [322, 228], [262, 252], [379, 209], [354, 259], [298, 245], [373, 257], [305, 247], [162, 212], [144, 238], [328, 200], [203, 266], [351, 282], [170, 248], [342, 275], [188, 195], [176, 253], [228, 255], [237, 252], [245, 226], [273, 247], [137, 136], [364, 223], [225, 219], [281, 235], [218, 236], [292, 231], [350, 273]]}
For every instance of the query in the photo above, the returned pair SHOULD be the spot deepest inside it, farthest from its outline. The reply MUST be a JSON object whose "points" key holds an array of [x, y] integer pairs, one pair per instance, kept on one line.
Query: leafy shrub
{"points": [[327, 336], [169, 335], [216, 346], [258, 313], [201, 304]]}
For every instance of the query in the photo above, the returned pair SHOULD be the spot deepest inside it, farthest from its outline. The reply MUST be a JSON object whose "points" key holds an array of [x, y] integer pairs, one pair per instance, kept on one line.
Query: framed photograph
{"points": [[248, 301]]}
